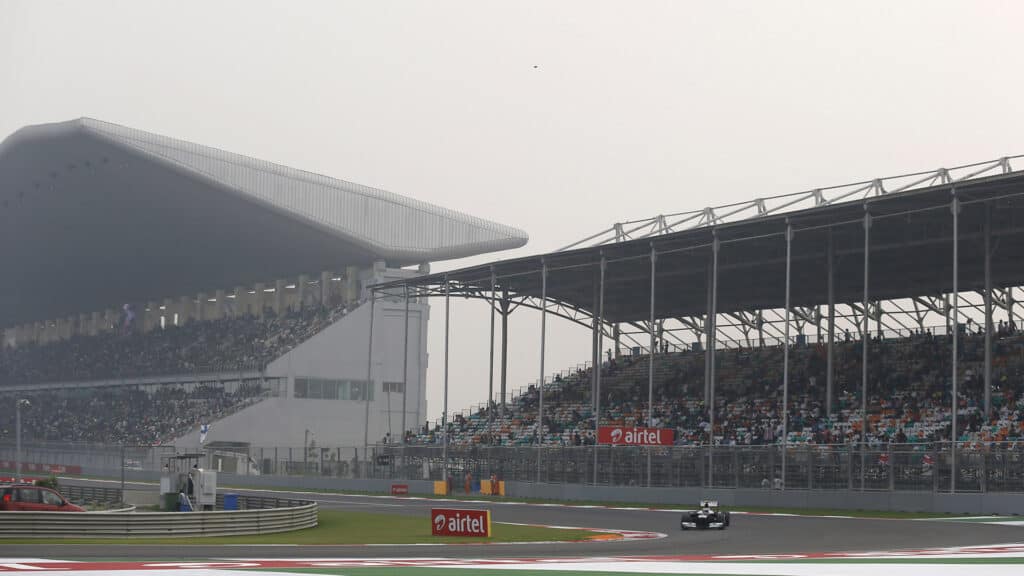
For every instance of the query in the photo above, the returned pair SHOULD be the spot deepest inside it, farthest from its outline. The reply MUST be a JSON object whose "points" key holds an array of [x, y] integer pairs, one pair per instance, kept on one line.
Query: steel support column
{"points": [[490, 364], [712, 338], [17, 435], [405, 368], [369, 386], [830, 350], [540, 383], [956, 335], [988, 313], [650, 363], [865, 343], [785, 356], [504, 350], [600, 344], [444, 410]]}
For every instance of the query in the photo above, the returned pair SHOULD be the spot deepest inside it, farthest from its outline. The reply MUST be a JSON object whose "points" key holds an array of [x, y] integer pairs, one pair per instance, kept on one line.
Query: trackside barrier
{"points": [[91, 494], [157, 524]]}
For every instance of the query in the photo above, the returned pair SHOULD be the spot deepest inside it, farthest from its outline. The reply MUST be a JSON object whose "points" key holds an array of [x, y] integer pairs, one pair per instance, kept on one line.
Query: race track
{"points": [[748, 534]]}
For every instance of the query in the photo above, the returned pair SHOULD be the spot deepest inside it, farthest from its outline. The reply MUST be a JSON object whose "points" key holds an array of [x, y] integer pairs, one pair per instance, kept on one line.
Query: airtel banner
{"points": [[622, 436], [452, 522]]}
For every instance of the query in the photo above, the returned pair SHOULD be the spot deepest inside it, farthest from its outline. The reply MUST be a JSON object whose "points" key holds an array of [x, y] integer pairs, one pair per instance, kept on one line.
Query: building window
{"points": [[397, 387]]}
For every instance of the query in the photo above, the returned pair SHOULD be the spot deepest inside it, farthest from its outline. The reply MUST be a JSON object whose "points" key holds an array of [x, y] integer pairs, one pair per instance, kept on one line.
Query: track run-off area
{"points": [[648, 540]]}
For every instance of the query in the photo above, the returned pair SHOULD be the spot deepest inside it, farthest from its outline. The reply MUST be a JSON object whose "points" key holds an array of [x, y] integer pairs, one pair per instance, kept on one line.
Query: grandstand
{"points": [[152, 285], [821, 318]]}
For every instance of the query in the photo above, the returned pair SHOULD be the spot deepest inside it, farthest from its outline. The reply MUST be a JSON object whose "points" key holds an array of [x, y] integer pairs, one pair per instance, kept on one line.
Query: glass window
{"points": [[301, 388], [51, 498], [331, 389], [398, 387], [316, 389], [29, 495], [343, 393]]}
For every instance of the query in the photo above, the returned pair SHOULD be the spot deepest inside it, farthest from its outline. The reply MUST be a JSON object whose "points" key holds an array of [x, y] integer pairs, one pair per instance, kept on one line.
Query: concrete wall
{"points": [[979, 504], [338, 352], [992, 503]]}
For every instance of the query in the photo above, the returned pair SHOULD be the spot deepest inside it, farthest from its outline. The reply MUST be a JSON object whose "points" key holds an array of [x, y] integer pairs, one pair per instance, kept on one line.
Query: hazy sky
{"points": [[557, 117]]}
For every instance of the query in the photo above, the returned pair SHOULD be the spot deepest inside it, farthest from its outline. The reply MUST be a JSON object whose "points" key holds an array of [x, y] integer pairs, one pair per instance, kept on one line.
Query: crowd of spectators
{"points": [[231, 343], [131, 415], [909, 397]]}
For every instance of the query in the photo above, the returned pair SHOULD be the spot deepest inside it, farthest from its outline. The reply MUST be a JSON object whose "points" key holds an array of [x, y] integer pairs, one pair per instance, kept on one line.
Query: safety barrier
{"points": [[91, 494], [157, 524]]}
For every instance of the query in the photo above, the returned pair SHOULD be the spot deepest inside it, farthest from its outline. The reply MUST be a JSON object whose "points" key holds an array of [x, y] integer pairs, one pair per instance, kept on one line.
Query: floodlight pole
{"points": [[650, 364], [956, 334], [865, 342], [785, 356], [444, 412], [540, 383], [600, 345], [368, 388]]}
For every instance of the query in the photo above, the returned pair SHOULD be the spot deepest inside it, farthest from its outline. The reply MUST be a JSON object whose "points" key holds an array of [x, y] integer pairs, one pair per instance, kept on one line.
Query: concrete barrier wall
{"points": [[323, 483], [909, 501], [1001, 503]]}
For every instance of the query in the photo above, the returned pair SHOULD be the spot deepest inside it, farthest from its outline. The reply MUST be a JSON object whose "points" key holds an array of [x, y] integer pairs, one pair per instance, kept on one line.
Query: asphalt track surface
{"points": [[748, 534]]}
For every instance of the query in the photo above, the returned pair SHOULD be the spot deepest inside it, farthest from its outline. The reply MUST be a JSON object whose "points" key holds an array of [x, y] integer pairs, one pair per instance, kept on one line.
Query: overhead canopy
{"points": [[911, 254], [94, 214]]}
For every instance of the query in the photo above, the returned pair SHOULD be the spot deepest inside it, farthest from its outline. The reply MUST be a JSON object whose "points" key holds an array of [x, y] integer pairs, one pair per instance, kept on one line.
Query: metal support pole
{"points": [[540, 390], [368, 387], [405, 368], [650, 364], [956, 334], [123, 466], [712, 338], [988, 313], [504, 349], [600, 345], [490, 369], [707, 336], [830, 351], [785, 356], [17, 436], [444, 412], [865, 342]]}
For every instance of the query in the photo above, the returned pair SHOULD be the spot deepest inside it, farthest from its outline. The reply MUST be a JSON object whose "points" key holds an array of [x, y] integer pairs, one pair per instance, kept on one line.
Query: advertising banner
{"points": [[628, 436], [399, 489], [454, 522]]}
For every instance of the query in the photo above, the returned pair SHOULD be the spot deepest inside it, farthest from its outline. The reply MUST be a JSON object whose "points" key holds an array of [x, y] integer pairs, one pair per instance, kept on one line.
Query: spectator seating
{"points": [[909, 396]]}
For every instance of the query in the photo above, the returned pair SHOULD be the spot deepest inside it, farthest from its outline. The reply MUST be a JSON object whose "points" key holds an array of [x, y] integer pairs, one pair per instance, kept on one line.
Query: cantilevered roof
{"points": [[93, 214], [910, 254]]}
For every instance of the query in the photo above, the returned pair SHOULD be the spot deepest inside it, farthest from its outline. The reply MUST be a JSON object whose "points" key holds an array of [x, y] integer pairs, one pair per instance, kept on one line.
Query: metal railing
{"points": [[992, 467], [91, 494], [980, 467], [157, 524]]}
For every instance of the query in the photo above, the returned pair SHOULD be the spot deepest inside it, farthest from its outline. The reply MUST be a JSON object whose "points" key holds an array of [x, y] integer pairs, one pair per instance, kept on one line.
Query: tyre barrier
{"points": [[158, 524]]}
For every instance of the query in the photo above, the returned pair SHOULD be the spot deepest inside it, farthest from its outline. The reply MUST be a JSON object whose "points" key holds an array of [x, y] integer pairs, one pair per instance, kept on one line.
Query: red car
{"points": [[28, 498]]}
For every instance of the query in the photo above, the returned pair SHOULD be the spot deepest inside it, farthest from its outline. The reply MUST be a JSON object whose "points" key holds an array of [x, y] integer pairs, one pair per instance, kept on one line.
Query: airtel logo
{"points": [[439, 522], [617, 435]]}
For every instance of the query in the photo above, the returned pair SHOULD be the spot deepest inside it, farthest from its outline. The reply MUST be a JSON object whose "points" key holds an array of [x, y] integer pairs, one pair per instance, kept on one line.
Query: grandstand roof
{"points": [[94, 214], [910, 255]]}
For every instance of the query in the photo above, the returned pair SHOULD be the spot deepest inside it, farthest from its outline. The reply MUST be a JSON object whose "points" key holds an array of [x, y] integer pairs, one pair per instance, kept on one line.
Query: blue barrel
{"points": [[231, 501]]}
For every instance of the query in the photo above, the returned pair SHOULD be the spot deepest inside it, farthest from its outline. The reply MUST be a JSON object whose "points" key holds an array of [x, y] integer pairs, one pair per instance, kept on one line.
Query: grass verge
{"points": [[339, 527]]}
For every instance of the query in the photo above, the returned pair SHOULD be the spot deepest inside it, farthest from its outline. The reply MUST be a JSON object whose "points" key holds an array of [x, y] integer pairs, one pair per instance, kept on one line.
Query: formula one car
{"points": [[707, 516]]}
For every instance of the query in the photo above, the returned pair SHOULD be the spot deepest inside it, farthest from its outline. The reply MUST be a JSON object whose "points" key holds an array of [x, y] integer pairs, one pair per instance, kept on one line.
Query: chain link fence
{"points": [[992, 467]]}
